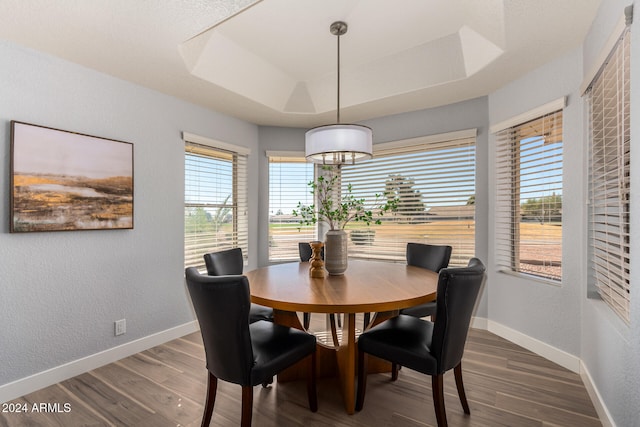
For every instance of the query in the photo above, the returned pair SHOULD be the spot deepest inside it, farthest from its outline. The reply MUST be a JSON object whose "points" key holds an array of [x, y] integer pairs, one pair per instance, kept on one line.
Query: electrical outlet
{"points": [[120, 327]]}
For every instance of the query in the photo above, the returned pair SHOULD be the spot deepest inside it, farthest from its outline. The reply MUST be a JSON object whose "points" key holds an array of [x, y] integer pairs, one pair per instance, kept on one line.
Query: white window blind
{"points": [[289, 175], [528, 215], [215, 202], [609, 185], [434, 183]]}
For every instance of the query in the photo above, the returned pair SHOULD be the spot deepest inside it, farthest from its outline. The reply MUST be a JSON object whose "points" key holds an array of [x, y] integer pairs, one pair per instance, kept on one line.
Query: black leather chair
{"points": [[304, 249], [228, 262], [237, 351], [431, 257], [432, 348]]}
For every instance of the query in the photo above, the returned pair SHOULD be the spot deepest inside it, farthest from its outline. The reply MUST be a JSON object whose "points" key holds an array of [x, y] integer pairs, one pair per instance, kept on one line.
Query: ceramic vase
{"points": [[335, 252]]}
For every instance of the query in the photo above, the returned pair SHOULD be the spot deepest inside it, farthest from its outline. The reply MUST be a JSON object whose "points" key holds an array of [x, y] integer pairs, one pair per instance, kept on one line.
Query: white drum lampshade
{"points": [[338, 144]]}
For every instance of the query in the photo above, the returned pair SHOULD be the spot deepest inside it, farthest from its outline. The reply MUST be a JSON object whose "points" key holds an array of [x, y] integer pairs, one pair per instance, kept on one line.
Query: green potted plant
{"points": [[337, 210]]}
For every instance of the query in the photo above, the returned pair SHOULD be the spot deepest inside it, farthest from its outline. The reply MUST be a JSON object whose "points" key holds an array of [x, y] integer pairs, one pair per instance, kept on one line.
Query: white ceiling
{"points": [[273, 62]]}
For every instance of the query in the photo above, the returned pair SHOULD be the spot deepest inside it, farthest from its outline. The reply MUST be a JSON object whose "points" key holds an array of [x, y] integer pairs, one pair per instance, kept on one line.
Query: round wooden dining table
{"points": [[382, 288]]}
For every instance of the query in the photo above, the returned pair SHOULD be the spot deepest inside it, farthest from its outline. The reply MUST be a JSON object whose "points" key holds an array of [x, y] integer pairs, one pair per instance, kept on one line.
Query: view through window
{"points": [[215, 202], [433, 180], [529, 197], [288, 179]]}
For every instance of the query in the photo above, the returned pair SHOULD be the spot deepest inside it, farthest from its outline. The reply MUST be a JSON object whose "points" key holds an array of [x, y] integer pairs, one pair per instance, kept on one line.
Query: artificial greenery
{"points": [[336, 209]]}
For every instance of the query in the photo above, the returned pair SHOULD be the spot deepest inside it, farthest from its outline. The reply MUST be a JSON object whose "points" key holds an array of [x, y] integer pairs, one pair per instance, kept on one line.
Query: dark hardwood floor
{"points": [[506, 385]]}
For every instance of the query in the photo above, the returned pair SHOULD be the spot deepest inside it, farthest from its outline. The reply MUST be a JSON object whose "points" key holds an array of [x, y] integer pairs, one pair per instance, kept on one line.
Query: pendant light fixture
{"points": [[338, 143]]}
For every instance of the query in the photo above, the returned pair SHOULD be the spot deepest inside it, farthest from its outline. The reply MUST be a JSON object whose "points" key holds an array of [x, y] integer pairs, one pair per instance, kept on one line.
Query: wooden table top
{"points": [[366, 286]]}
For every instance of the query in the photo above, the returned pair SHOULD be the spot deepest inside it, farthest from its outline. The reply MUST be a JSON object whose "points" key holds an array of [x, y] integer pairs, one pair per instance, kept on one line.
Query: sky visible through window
{"points": [[541, 170], [284, 191], [207, 180]]}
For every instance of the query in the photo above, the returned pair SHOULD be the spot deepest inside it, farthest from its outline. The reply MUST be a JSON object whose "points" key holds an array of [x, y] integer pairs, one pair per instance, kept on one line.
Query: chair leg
{"points": [[306, 320], [438, 399], [312, 390], [394, 371], [212, 387], [334, 331], [247, 405], [362, 380], [457, 371], [366, 320]]}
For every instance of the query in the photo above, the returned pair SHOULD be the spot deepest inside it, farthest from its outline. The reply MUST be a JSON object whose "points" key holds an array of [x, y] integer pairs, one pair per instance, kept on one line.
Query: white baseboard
{"points": [[60, 373], [553, 354], [540, 348], [480, 323], [601, 409], [543, 349]]}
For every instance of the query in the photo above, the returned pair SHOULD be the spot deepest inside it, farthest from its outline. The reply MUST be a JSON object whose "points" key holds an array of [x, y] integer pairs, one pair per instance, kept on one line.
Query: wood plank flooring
{"points": [[506, 385]]}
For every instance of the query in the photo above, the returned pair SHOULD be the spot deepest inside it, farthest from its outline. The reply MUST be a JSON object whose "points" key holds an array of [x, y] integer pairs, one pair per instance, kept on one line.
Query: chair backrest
{"points": [[304, 249], [223, 263], [222, 308], [458, 290], [432, 257]]}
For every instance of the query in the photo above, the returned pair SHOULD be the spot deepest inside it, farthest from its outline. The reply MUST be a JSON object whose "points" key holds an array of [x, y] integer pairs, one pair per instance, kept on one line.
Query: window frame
{"points": [[306, 233], [609, 215], [238, 157], [509, 136]]}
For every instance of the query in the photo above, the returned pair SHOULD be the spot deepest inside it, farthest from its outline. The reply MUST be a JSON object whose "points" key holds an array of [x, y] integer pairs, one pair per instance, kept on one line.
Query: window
{"points": [[215, 201], [289, 174], [529, 197], [609, 185], [433, 179]]}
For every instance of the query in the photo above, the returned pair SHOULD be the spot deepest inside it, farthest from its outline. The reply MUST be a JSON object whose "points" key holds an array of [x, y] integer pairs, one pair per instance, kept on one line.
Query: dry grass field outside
{"points": [[540, 244], [541, 249]]}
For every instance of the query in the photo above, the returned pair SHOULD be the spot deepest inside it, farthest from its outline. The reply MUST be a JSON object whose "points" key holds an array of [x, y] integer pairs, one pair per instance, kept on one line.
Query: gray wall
{"points": [[610, 349], [459, 116], [565, 316], [61, 292], [541, 310]]}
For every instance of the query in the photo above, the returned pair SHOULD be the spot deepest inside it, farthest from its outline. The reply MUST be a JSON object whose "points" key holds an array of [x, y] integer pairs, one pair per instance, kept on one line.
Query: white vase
{"points": [[335, 252]]}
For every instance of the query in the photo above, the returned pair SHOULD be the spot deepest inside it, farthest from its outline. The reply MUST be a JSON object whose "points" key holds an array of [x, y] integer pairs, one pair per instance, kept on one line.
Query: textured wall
{"points": [[540, 310], [565, 317], [611, 348], [61, 292]]}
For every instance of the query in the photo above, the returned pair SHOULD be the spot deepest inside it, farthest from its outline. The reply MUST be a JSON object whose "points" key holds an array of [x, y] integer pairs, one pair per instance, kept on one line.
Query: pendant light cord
{"points": [[338, 110]]}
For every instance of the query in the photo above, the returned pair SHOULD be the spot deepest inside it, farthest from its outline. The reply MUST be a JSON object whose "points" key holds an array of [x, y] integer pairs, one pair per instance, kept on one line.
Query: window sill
{"points": [[531, 277]]}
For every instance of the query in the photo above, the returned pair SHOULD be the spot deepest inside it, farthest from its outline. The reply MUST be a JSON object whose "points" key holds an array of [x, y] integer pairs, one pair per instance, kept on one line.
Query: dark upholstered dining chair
{"points": [[237, 351], [228, 262], [431, 348], [304, 249], [431, 257]]}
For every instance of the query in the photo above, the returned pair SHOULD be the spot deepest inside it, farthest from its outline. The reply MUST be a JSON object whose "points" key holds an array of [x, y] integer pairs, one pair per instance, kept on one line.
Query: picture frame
{"points": [[68, 181]]}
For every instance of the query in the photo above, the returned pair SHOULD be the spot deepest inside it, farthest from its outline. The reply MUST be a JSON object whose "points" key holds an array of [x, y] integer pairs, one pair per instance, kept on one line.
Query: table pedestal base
{"points": [[340, 362]]}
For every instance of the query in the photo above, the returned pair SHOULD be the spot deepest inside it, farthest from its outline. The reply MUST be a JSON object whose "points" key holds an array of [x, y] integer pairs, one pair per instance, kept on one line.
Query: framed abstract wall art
{"points": [[63, 180]]}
